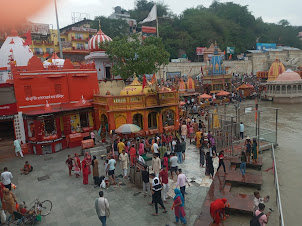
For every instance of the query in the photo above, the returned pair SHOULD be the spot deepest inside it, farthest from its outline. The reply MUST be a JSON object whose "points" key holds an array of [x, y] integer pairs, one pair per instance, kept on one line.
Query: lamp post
{"points": [[58, 28]]}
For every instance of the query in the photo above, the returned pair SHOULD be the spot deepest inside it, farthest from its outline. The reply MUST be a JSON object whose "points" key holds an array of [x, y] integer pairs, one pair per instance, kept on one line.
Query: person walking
{"points": [[243, 163], [92, 136], [95, 169], [215, 160], [124, 162], [221, 162], [190, 132], [85, 168], [183, 148], [262, 218], [77, 165], [174, 165], [181, 182], [141, 149], [178, 206], [156, 195], [18, 148], [163, 176], [178, 151], [6, 177], [9, 201], [184, 131], [68, 162], [255, 150], [146, 181], [248, 149], [102, 208], [241, 128], [156, 164], [155, 146], [201, 157], [209, 166], [111, 169]]}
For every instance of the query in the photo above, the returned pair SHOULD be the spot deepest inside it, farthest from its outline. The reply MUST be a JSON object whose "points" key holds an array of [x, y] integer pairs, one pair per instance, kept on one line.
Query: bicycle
{"points": [[44, 207]]}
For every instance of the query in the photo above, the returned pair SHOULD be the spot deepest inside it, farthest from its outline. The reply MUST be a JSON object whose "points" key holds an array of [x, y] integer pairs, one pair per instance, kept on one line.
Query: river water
{"points": [[288, 153]]}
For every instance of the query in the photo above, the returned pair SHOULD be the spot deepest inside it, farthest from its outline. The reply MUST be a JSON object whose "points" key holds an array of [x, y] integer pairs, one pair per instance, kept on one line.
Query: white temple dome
{"points": [[94, 42], [14, 50]]}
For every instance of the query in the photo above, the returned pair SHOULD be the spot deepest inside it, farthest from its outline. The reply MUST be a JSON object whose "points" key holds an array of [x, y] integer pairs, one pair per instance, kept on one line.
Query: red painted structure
{"points": [[55, 103]]}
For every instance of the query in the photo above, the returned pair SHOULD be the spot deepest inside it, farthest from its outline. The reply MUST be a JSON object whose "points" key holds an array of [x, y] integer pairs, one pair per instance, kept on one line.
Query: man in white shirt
{"points": [[6, 178], [155, 147], [101, 207], [241, 130], [181, 182], [174, 164]]}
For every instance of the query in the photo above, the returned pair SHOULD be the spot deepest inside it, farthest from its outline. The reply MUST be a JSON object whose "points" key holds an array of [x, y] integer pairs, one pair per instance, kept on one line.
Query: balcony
{"points": [[80, 49], [38, 42], [39, 53], [80, 39], [47, 43]]}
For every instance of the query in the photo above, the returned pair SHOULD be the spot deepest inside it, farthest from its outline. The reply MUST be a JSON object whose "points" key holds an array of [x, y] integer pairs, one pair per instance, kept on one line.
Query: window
{"points": [[49, 50], [38, 50], [63, 39], [58, 88], [152, 120], [108, 74], [49, 127], [80, 46], [84, 119], [138, 120], [78, 36], [27, 91]]}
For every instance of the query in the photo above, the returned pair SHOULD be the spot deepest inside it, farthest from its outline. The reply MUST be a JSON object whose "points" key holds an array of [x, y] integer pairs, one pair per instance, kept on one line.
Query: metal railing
{"points": [[278, 198]]}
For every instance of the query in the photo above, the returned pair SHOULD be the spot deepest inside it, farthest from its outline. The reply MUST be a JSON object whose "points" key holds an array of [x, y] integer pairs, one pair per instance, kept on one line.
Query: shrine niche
{"points": [[152, 120], [137, 119], [168, 118]]}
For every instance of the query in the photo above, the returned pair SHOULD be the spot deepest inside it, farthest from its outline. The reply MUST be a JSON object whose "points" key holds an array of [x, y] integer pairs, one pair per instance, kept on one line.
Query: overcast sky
{"points": [[270, 10]]}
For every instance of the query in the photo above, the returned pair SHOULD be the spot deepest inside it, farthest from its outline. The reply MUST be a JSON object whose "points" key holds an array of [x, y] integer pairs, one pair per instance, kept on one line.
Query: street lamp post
{"points": [[58, 28]]}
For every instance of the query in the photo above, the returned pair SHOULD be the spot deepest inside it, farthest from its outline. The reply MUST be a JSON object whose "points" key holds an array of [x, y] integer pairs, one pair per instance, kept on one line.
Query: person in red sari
{"points": [[217, 209], [77, 165], [132, 155], [178, 205], [88, 160], [85, 168]]}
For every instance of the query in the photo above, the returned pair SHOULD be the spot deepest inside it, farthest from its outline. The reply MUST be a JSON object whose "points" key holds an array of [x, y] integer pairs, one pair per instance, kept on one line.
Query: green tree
{"points": [[132, 56], [111, 27]]}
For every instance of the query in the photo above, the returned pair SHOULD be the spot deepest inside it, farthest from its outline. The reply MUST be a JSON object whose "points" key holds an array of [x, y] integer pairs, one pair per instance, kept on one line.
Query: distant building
{"points": [[120, 13], [300, 35]]}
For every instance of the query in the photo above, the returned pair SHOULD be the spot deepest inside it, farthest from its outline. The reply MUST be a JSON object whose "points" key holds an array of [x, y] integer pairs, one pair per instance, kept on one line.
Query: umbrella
{"points": [[243, 86], [181, 103], [128, 128], [223, 93], [205, 96]]}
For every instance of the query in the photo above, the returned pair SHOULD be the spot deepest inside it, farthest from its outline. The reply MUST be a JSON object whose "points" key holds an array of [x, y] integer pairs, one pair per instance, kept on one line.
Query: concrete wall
{"points": [[256, 62], [114, 87]]}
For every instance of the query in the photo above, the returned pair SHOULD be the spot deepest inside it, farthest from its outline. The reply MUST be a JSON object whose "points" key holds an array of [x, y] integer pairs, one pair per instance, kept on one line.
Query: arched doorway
{"points": [[104, 122], [138, 120], [120, 120], [168, 118], [152, 120]]}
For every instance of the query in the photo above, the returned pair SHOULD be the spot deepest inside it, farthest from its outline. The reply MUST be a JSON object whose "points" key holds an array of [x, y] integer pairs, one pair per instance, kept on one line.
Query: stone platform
{"points": [[258, 165]]}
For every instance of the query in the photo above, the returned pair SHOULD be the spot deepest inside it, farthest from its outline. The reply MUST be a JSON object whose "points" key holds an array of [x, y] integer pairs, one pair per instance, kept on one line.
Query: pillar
{"points": [[160, 122], [111, 121], [58, 125], [145, 121]]}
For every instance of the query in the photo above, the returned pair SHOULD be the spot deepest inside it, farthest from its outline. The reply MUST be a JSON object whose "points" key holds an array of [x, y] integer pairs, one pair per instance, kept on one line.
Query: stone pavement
{"points": [[73, 202]]}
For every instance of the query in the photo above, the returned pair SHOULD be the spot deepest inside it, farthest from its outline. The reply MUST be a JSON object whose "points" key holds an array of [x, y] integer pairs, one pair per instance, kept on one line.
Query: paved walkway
{"points": [[73, 202]]}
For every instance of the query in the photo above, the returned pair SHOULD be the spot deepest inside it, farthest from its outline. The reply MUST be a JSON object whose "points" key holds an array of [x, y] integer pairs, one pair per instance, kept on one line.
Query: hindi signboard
{"points": [[230, 50], [200, 50]]}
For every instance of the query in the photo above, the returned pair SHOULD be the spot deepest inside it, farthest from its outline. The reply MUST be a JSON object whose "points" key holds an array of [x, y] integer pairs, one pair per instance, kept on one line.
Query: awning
{"points": [[55, 110]]}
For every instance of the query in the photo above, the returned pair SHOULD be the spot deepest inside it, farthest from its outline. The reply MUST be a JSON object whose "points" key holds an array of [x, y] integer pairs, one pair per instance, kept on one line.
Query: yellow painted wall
{"points": [[90, 118], [61, 123], [74, 121]]}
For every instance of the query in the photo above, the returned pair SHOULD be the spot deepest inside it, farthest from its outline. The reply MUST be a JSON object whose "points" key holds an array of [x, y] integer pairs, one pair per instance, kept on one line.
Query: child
{"points": [[221, 162], [106, 167], [243, 163]]}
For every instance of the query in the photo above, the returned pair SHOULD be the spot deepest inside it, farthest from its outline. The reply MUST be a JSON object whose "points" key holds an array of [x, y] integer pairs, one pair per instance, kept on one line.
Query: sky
{"points": [[271, 11]]}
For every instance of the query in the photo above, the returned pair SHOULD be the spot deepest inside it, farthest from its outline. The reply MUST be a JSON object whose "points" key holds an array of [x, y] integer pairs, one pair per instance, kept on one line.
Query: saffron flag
{"points": [[230, 57], [224, 52], [28, 40], [153, 79], [152, 15], [144, 81], [46, 55]]}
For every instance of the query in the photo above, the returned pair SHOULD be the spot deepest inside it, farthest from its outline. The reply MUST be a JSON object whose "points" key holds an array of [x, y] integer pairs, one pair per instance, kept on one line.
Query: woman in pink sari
{"points": [[85, 168], [88, 160], [141, 149]]}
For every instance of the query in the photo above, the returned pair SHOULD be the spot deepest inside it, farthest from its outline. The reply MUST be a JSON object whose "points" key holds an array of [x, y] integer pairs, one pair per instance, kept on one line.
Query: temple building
{"points": [[154, 110], [216, 78], [285, 89], [209, 52], [187, 88]]}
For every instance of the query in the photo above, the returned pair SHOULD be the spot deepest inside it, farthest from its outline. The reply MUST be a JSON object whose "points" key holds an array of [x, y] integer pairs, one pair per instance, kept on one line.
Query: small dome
{"points": [[182, 86], [190, 84], [135, 88], [94, 42], [289, 76], [275, 70], [13, 49]]}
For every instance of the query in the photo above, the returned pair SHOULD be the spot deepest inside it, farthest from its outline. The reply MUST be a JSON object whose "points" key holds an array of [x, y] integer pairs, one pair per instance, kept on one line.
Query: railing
{"points": [[278, 197]]}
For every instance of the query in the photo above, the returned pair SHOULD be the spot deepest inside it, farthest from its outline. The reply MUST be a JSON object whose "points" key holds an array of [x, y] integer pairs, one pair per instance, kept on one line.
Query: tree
{"points": [[283, 23], [111, 27], [132, 56]]}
